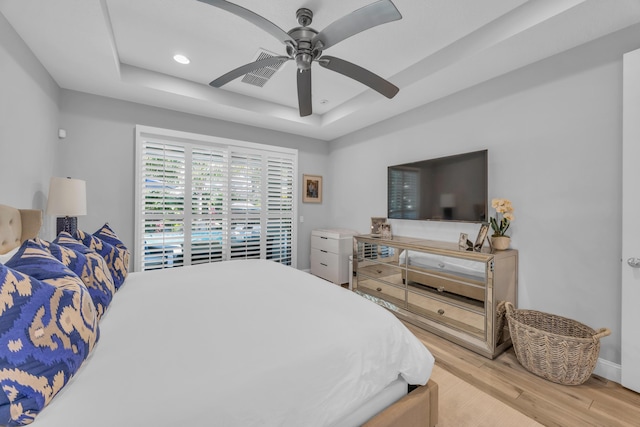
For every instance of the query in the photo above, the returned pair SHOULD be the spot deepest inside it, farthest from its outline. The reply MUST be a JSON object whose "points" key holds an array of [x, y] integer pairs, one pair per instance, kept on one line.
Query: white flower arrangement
{"points": [[504, 215]]}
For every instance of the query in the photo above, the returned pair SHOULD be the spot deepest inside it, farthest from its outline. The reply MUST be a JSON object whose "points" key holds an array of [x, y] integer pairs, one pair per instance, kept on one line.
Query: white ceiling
{"points": [[123, 49]]}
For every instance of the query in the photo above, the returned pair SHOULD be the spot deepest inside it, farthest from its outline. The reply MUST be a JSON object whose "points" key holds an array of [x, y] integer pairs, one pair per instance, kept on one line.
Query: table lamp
{"points": [[67, 200]]}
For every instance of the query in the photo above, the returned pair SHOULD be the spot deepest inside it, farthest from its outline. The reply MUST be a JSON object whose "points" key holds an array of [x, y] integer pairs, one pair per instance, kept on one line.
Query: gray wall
{"points": [[554, 135], [28, 124], [100, 148]]}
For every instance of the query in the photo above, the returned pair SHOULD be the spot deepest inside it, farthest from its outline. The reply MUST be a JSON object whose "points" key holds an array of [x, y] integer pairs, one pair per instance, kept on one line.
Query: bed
{"points": [[238, 343]]}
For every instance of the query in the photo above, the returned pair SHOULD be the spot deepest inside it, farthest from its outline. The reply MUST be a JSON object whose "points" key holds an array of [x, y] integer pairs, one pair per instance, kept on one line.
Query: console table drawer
{"points": [[456, 316], [388, 273], [474, 290], [378, 289]]}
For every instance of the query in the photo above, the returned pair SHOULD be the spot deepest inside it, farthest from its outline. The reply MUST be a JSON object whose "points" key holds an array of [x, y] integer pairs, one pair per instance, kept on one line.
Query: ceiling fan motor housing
{"points": [[303, 52]]}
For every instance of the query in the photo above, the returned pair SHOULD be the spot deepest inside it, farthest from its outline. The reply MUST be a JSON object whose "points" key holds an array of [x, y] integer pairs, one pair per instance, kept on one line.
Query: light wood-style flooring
{"points": [[597, 402], [462, 405]]}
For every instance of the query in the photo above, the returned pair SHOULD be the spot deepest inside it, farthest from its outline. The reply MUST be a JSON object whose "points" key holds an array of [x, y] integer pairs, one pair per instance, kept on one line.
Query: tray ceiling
{"points": [[123, 49]]}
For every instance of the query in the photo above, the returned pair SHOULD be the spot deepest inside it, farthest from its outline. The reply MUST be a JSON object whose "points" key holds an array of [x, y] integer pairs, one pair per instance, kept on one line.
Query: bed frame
{"points": [[17, 225], [419, 408]]}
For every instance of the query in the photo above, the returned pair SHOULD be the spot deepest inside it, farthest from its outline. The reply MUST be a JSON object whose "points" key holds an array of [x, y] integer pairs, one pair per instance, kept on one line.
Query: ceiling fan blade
{"points": [[247, 68], [304, 92], [377, 13], [358, 73], [252, 17]]}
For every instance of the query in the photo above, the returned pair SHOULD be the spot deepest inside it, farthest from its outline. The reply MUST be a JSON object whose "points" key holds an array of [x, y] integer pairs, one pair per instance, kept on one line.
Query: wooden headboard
{"points": [[18, 225]]}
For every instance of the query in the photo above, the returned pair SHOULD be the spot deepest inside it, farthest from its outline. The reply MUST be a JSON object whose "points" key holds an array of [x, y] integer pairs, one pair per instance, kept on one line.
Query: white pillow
{"points": [[6, 257]]}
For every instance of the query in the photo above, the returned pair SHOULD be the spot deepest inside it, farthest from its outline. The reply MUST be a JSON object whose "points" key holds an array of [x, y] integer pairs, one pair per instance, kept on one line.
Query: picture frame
{"points": [[386, 231], [312, 188], [376, 226], [482, 235], [462, 241]]}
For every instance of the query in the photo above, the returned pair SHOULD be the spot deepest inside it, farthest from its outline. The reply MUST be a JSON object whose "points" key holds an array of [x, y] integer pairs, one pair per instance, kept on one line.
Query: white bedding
{"points": [[238, 343]]}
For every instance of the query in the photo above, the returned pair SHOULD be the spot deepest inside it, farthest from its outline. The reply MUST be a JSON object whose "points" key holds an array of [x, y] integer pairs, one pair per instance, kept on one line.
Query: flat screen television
{"points": [[452, 188]]}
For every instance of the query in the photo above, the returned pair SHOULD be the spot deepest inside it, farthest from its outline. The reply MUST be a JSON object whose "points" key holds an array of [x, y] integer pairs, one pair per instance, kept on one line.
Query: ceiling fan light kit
{"points": [[305, 45]]}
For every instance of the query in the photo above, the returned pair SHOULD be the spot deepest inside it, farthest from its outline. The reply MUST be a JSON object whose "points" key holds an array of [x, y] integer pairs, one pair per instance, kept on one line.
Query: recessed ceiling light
{"points": [[181, 59], [324, 101]]}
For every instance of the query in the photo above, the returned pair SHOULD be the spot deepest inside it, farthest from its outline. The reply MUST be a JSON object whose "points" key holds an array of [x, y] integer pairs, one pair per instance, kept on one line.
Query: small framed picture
{"points": [[482, 235], [376, 226], [312, 188], [462, 241], [386, 231]]}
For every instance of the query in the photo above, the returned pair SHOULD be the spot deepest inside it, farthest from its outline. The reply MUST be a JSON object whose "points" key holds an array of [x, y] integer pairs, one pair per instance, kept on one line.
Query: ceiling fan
{"points": [[306, 45]]}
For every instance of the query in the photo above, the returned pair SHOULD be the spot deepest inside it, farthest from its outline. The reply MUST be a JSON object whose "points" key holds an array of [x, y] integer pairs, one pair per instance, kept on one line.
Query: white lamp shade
{"points": [[67, 197], [448, 200]]}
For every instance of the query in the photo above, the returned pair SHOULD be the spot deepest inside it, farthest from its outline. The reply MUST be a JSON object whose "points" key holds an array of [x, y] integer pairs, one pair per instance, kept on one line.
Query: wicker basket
{"points": [[555, 348], [501, 311]]}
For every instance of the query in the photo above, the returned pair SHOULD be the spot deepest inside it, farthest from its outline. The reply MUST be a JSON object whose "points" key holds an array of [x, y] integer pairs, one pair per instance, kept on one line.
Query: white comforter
{"points": [[239, 343]]}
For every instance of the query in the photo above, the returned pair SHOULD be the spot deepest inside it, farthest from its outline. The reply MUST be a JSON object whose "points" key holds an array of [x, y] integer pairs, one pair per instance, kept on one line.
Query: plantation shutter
{"points": [[246, 204], [163, 194], [209, 207], [200, 199], [280, 207]]}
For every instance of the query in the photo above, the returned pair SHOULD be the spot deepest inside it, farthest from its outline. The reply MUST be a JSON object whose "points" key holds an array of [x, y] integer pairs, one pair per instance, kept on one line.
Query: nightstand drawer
{"points": [[441, 311], [328, 259], [325, 265], [325, 244]]}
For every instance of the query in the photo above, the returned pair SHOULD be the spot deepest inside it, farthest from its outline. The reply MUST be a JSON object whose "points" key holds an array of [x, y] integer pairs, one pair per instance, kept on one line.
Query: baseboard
{"points": [[609, 370]]}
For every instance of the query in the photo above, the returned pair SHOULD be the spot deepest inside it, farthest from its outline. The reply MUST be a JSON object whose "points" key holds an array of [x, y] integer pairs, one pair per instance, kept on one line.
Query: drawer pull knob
{"points": [[441, 289], [441, 312], [379, 289], [379, 271]]}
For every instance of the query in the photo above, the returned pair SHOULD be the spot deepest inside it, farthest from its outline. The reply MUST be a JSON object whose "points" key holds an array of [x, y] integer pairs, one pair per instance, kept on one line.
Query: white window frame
{"points": [[191, 140]]}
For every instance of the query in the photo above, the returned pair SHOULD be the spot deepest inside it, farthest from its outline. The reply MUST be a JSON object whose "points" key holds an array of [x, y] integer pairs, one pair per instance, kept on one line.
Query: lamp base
{"points": [[448, 213], [68, 224]]}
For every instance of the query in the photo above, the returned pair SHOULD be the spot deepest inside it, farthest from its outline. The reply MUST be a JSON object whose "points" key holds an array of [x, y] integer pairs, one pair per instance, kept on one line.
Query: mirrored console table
{"points": [[435, 285]]}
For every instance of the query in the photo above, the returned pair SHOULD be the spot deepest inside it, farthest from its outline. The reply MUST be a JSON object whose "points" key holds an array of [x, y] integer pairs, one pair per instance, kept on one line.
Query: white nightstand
{"points": [[330, 250]]}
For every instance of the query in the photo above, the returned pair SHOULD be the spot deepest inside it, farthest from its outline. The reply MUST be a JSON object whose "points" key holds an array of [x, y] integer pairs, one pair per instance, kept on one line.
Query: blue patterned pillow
{"points": [[86, 264], [35, 261], [115, 257], [106, 234], [47, 329]]}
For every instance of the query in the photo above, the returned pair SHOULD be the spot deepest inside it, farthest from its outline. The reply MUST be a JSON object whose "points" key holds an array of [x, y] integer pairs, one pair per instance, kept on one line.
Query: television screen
{"points": [[452, 188]]}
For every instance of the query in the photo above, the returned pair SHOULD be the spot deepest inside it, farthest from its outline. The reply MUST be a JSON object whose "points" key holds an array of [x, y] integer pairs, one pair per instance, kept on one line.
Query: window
{"points": [[203, 199]]}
